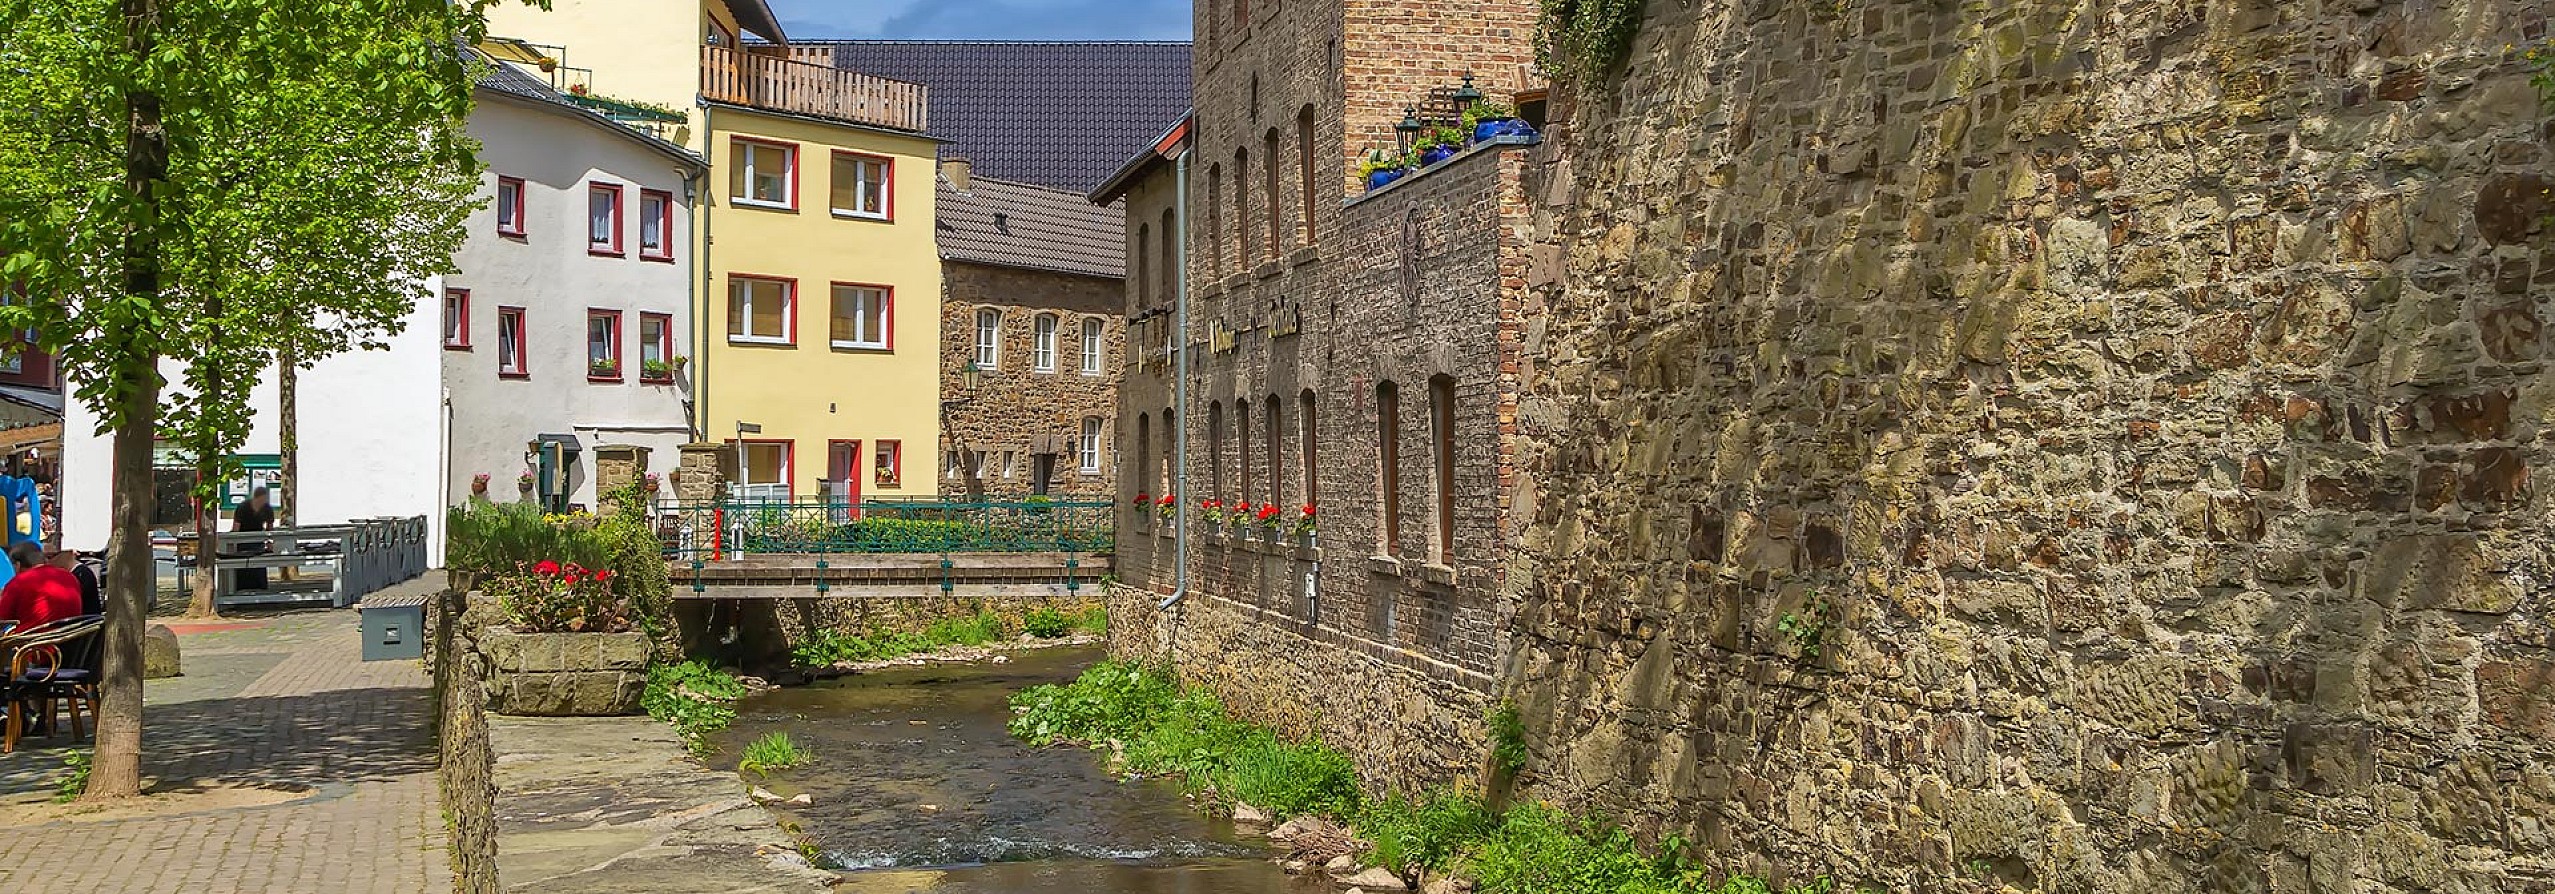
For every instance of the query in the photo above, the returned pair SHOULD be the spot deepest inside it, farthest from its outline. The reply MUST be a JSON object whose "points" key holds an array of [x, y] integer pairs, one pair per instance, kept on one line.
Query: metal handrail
{"points": [[731, 528]]}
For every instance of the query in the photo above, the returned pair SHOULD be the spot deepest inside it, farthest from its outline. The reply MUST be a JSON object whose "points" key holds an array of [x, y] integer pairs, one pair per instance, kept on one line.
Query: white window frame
{"points": [[752, 151], [750, 489], [1095, 344], [859, 294], [1042, 342], [885, 187], [988, 339], [1091, 429], [740, 310]]}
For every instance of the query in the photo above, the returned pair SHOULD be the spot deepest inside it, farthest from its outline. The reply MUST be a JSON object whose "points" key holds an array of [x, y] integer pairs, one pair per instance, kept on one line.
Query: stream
{"points": [[917, 789]]}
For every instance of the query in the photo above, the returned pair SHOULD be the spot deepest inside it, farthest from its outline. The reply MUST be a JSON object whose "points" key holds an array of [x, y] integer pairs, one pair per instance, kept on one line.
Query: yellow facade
{"points": [[806, 390], [799, 389]]}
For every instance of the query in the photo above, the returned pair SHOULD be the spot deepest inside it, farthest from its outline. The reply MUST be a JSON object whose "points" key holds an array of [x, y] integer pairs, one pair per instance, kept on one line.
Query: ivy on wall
{"points": [[1582, 40], [2541, 71]]}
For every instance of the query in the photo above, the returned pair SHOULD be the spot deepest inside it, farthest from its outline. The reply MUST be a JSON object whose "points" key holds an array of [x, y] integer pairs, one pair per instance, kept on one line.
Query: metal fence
{"points": [[831, 527]]}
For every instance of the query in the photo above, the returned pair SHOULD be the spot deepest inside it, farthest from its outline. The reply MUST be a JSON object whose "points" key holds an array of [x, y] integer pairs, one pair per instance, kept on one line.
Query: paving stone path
{"points": [[288, 704]]}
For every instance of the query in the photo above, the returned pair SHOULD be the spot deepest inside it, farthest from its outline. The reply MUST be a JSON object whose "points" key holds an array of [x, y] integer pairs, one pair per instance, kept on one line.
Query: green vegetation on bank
{"points": [[825, 648], [1158, 727], [693, 696], [774, 751]]}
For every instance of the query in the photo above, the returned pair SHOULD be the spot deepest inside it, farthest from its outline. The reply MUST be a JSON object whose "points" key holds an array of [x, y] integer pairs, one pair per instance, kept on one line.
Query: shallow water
{"points": [[918, 789]]}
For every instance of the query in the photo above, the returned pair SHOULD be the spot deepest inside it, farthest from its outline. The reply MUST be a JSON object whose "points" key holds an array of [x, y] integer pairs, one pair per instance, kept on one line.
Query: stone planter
{"points": [[565, 674]]}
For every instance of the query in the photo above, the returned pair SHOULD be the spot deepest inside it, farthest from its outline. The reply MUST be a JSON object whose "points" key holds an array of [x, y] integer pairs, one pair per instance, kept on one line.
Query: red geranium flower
{"points": [[1308, 510], [603, 575], [546, 568], [1166, 500]]}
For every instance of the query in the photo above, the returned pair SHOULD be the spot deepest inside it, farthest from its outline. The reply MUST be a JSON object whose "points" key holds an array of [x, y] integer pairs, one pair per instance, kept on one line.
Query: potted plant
{"points": [[648, 482], [604, 368], [1380, 169], [1485, 120], [1304, 525], [656, 370], [524, 481], [1438, 145], [1269, 517], [1213, 512], [479, 484], [1168, 509]]}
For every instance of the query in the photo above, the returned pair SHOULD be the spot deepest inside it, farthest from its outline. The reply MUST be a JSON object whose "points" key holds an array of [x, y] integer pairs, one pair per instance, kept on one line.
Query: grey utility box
{"points": [[394, 627]]}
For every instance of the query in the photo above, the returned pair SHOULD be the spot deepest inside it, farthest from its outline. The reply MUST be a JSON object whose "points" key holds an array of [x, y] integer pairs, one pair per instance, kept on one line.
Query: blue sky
{"points": [[986, 19]]}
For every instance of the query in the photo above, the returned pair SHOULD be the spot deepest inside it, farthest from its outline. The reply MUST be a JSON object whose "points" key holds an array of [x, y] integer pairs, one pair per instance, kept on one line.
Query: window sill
{"points": [[760, 340], [1384, 565], [644, 380], [661, 259], [1269, 269], [605, 252], [502, 374], [1049, 371], [1302, 256], [516, 235], [604, 380], [860, 347], [759, 203], [891, 485], [1431, 572], [855, 215], [456, 346]]}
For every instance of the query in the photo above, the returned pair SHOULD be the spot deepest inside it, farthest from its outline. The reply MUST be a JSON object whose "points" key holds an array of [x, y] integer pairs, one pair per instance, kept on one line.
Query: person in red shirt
{"points": [[41, 593]]}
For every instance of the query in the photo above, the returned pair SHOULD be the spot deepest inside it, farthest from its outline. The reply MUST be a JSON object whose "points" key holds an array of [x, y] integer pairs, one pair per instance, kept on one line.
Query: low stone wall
{"points": [[1409, 723], [465, 763], [769, 628], [565, 674]]}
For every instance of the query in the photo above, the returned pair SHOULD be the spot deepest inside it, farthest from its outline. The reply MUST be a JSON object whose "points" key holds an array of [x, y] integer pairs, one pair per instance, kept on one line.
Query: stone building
{"points": [[1356, 352], [1032, 329], [2033, 446]]}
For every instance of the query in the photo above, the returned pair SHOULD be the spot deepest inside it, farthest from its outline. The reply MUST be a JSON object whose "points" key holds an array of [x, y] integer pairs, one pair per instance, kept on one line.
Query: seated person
{"points": [[88, 570], [40, 593]]}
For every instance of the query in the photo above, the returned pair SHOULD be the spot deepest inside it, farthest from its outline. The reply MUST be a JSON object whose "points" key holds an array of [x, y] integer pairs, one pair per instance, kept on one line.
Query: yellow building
{"points": [[817, 353]]}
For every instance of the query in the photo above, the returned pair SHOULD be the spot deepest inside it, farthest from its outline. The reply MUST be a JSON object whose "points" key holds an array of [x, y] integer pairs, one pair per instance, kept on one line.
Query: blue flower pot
{"points": [[1434, 154], [1377, 180], [1502, 127]]}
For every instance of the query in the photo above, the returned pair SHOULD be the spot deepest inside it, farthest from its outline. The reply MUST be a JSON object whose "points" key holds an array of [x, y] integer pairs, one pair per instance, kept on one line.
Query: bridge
{"points": [[751, 549]]}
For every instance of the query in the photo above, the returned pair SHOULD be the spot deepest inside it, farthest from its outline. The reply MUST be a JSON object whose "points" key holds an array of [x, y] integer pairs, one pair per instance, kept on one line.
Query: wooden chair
{"points": [[56, 663]]}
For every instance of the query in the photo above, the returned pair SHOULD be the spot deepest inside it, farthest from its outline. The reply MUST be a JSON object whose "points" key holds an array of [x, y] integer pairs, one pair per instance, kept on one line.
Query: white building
{"points": [[577, 258]]}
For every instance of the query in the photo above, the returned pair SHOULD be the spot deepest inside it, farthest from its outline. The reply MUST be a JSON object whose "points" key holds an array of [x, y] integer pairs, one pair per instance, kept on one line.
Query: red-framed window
{"points": [[656, 347], [863, 317], [864, 186], [512, 359], [457, 319], [656, 225], [762, 309], [767, 469], [510, 206], [763, 173], [603, 219], [889, 464], [603, 345]]}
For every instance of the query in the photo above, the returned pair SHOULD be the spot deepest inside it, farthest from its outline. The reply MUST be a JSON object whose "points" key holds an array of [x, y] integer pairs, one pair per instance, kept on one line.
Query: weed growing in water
{"points": [[774, 751], [695, 697]]}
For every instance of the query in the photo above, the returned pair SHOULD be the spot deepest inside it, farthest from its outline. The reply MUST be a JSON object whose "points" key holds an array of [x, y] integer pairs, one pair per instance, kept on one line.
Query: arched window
{"points": [[1242, 448], [1388, 478], [1042, 346], [1271, 437], [1215, 223], [1441, 432], [1169, 453], [1270, 161], [1144, 469], [1215, 449], [1304, 167], [1089, 448], [1144, 267], [1170, 256], [1307, 433], [988, 339], [1245, 254], [1095, 345]]}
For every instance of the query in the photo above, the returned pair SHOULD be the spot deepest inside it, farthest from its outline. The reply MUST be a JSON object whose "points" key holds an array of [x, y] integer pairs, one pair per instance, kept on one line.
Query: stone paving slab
{"points": [[287, 704]]}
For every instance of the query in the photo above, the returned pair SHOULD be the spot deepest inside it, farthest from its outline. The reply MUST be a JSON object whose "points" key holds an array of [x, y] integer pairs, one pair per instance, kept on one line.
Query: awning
{"points": [[568, 443]]}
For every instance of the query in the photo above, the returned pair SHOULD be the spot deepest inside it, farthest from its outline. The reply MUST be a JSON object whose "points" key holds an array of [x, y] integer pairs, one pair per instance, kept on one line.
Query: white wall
{"points": [[549, 272], [377, 436]]}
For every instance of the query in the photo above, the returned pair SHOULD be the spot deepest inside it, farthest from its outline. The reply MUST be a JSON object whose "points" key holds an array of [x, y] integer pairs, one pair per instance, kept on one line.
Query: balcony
{"points": [[762, 80]]}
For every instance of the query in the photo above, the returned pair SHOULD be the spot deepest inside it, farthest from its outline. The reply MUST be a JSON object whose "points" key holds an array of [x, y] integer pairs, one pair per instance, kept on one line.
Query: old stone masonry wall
{"points": [[2081, 446]]}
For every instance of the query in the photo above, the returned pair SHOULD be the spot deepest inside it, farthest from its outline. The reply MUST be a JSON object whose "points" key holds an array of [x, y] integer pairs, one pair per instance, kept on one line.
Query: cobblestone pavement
{"points": [[287, 703]]}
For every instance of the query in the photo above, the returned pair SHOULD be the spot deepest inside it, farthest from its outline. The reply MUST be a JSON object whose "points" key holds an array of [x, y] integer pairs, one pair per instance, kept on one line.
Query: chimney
{"points": [[957, 171]]}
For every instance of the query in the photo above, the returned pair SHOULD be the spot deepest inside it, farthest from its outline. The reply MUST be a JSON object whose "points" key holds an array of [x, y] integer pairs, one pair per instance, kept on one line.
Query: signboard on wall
{"points": [[257, 470]]}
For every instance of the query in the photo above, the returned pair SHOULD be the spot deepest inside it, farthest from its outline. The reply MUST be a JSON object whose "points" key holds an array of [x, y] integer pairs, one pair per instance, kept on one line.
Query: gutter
{"points": [[1180, 388], [701, 214]]}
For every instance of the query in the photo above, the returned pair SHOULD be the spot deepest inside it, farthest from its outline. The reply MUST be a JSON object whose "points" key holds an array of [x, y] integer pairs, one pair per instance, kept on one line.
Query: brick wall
{"points": [[1017, 411], [2139, 406]]}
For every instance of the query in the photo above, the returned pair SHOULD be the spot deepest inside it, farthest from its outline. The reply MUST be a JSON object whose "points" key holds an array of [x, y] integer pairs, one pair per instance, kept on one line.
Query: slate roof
{"points": [[1024, 225], [1059, 114], [505, 78]]}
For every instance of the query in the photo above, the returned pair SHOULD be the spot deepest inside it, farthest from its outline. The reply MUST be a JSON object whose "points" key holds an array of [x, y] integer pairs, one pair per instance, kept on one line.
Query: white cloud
{"points": [[986, 19]]}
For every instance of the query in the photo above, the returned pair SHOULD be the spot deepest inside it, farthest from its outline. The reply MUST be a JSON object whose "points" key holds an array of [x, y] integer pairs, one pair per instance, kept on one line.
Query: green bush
{"points": [[1167, 730], [1046, 623], [1412, 836], [697, 698], [502, 542], [774, 751], [824, 648], [1585, 39]]}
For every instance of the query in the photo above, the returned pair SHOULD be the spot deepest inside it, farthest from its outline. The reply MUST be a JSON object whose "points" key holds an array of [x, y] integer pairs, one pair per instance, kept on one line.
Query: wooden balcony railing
{"points": [[774, 83]]}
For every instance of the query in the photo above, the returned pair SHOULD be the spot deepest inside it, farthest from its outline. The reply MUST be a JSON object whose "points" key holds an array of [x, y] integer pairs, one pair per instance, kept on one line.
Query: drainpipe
{"points": [[695, 184], [701, 213], [1180, 384]]}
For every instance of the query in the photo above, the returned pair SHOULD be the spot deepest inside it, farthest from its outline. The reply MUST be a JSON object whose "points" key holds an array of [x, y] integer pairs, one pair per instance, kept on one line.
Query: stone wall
{"points": [[465, 763], [2068, 446], [1018, 413]]}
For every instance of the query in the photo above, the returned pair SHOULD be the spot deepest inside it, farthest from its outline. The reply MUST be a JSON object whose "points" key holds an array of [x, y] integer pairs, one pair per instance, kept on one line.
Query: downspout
{"points": [[1180, 384], [702, 209]]}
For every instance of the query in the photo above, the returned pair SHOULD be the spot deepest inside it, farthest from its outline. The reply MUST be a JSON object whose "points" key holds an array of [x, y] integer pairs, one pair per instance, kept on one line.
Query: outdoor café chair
{"points": [[55, 663]]}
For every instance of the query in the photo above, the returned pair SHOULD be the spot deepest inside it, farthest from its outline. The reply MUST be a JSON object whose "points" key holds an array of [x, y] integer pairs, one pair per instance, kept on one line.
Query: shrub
{"points": [[507, 543], [1045, 623], [1412, 836], [553, 598], [774, 751], [1170, 731], [1584, 39], [695, 697], [824, 648]]}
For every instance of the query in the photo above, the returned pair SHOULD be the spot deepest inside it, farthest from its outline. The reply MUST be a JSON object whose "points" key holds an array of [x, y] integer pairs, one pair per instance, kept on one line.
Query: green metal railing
{"points": [[748, 527]]}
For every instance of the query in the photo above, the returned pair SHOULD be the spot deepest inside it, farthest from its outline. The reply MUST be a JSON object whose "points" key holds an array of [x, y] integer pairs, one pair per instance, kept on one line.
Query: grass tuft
{"points": [[697, 698], [774, 751]]}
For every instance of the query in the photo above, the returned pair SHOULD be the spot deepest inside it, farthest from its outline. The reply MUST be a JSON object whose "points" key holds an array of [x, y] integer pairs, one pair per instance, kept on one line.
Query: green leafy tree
{"points": [[198, 184]]}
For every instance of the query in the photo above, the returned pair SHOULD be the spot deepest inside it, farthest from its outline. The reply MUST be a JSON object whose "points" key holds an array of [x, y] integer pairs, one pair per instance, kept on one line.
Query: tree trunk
{"points": [[288, 432], [208, 519], [116, 770]]}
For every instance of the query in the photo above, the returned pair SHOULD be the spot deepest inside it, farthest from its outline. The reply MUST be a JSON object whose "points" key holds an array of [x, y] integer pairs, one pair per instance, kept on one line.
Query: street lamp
{"points": [[1466, 96], [1407, 133]]}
